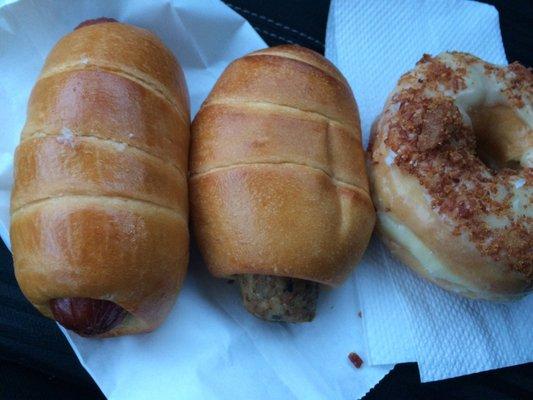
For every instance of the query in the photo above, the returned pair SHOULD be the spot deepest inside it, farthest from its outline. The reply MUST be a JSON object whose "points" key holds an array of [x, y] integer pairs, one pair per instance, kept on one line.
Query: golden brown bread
{"points": [[124, 50], [99, 206], [279, 219], [127, 251], [114, 108], [278, 183]]}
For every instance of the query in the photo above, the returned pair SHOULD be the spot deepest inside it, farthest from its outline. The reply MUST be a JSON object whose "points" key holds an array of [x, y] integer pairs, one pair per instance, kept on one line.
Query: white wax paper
{"points": [[209, 347]]}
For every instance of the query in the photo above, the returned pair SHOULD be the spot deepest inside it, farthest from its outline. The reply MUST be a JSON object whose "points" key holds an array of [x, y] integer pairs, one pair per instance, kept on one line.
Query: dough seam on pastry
{"points": [[289, 56], [123, 199], [137, 77], [93, 137], [336, 181], [282, 107]]}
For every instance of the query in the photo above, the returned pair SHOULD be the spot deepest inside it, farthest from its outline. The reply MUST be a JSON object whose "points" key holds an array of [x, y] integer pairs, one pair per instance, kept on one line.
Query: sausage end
{"points": [[279, 299], [85, 316]]}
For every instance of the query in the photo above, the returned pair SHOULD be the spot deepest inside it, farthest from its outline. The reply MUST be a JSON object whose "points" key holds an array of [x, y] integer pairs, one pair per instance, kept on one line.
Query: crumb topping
{"points": [[433, 144], [520, 84], [433, 72], [355, 359]]}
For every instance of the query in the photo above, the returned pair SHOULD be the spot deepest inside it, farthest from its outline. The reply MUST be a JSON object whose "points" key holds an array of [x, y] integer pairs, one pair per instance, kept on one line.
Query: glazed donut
{"points": [[451, 170]]}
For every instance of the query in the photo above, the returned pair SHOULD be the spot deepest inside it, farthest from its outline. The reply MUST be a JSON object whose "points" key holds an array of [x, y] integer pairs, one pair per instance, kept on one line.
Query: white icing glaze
{"points": [[486, 89], [403, 236], [391, 155], [519, 183], [527, 158], [482, 88], [521, 203], [496, 222]]}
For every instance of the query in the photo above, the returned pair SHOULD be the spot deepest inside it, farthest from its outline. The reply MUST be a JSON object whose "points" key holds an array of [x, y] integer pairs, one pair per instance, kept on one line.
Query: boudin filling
{"points": [[275, 298]]}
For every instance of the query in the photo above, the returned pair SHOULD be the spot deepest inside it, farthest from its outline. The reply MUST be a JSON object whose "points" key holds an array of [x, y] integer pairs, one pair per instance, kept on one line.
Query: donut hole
{"points": [[513, 164], [500, 136]]}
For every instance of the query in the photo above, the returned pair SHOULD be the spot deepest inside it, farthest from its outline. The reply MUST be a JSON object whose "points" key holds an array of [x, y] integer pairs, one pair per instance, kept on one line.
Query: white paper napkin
{"points": [[406, 318], [210, 347]]}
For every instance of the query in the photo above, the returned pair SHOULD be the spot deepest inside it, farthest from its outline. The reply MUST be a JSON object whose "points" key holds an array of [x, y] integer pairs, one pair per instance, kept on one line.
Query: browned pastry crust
{"points": [[99, 207], [278, 184]]}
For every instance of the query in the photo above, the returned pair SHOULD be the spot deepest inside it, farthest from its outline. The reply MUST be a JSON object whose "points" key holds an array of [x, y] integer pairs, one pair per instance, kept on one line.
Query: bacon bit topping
{"points": [[491, 69], [437, 73], [355, 360], [520, 83], [432, 144]]}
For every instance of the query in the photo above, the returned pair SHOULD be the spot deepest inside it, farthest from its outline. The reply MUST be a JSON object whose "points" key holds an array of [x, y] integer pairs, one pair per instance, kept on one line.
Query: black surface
{"points": [[36, 361], [516, 23]]}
